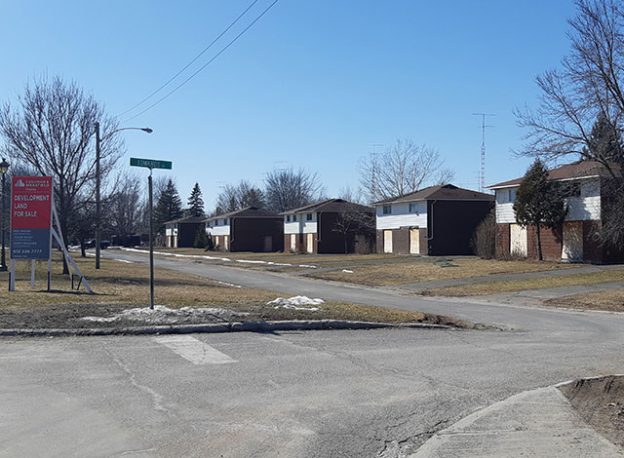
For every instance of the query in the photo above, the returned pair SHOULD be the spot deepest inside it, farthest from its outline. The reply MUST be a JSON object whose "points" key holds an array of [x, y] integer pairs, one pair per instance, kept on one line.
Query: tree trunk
{"points": [[539, 243], [83, 250]]}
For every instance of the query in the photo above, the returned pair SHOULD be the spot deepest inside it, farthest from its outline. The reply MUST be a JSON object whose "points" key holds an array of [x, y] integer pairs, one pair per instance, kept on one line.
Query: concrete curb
{"points": [[244, 326]]}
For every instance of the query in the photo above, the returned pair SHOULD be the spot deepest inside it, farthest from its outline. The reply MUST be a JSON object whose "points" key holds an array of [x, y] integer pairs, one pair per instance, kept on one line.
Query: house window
{"points": [[387, 209], [288, 218], [511, 195], [413, 208], [226, 221], [308, 216]]}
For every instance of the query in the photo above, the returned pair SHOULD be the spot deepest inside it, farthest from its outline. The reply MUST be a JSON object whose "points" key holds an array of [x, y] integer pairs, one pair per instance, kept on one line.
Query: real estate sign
{"points": [[31, 217]]}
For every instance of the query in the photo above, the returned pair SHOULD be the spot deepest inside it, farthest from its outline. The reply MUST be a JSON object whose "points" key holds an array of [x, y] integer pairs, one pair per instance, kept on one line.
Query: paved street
{"points": [[313, 394]]}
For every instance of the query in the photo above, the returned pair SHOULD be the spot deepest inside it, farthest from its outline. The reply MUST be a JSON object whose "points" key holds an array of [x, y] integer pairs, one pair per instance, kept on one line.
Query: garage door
{"points": [[387, 241], [518, 240]]}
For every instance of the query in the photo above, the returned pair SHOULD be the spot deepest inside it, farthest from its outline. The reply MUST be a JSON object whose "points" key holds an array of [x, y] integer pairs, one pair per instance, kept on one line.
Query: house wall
{"points": [[401, 216], [552, 243], [452, 224], [401, 241], [248, 234], [502, 241], [219, 230], [583, 208], [186, 234]]}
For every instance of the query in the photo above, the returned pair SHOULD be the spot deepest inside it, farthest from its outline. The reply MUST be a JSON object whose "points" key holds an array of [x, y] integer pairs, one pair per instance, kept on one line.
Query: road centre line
{"points": [[194, 350]]}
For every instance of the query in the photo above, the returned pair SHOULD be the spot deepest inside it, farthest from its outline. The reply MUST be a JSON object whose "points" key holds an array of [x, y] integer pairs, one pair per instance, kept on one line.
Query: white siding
{"points": [[587, 206], [309, 227], [401, 216], [504, 206], [291, 228], [220, 230]]}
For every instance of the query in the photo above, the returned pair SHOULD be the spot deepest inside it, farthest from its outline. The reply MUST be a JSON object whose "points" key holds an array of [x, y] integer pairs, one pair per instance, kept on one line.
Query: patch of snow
{"points": [[164, 315], [250, 261], [296, 303], [307, 266], [347, 271], [229, 284], [124, 260]]}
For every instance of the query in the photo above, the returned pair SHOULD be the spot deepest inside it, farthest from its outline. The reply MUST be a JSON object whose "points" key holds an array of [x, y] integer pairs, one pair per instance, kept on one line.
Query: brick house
{"points": [[325, 227], [181, 232], [250, 229], [436, 221], [577, 238]]}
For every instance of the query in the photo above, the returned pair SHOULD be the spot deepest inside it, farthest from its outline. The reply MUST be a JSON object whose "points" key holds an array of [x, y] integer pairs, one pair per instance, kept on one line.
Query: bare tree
{"points": [[353, 221], [237, 197], [51, 130], [403, 168], [124, 206], [287, 189], [584, 99], [349, 194]]}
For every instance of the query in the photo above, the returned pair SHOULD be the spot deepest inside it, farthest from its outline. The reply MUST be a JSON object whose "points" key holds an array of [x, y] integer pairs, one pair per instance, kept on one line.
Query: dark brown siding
{"points": [[187, 233], [592, 249], [503, 241], [248, 234], [552, 243], [401, 240], [451, 225], [332, 241]]}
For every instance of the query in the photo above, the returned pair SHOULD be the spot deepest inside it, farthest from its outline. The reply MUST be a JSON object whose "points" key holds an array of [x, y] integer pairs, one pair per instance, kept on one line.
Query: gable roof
{"points": [[247, 212], [187, 220], [329, 205], [579, 169], [439, 192]]}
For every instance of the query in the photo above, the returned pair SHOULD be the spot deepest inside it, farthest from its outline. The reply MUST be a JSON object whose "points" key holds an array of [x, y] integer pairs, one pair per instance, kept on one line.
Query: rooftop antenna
{"points": [[483, 126]]}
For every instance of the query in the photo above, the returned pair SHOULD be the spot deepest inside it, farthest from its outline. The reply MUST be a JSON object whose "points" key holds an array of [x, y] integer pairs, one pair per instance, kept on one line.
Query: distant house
{"points": [[577, 238], [436, 221], [331, 226], [249, 229], [181, 233]]}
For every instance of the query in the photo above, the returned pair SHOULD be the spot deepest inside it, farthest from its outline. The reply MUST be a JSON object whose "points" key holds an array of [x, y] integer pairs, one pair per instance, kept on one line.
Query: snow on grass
{"points": [[164, 315], [347, 271], [218, 258], [296, 303]]}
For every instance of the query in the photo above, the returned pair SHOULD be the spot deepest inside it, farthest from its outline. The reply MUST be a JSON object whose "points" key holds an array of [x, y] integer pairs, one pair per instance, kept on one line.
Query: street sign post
{"points": [[151, 164]]}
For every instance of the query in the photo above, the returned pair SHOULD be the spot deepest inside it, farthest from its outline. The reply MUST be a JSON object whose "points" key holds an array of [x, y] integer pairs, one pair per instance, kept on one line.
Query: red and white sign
{"points": [[31, 203]]}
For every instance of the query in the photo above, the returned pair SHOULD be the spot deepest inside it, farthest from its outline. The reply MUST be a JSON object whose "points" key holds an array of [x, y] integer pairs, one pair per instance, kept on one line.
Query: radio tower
{"points": [[483, 126]]}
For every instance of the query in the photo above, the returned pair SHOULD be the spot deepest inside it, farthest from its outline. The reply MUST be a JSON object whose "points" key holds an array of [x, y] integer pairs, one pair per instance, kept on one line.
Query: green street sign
{"points": [[150, 163]]}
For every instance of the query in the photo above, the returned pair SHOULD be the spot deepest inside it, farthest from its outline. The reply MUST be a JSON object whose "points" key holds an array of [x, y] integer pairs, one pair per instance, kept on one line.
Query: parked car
{"points": [[104, 244]]}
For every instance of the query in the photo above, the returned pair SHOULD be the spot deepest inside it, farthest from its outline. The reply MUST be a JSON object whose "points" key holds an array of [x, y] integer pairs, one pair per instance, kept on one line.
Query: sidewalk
{"points": [[538, 423]]}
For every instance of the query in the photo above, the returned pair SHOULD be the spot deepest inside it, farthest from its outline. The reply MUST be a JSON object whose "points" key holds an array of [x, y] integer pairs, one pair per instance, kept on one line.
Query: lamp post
{"points": [[98, 203], [4, 168]]}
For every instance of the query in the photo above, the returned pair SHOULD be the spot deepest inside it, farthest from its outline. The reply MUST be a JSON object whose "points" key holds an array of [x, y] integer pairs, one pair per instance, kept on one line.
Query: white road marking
{"points": [[194, 350]]}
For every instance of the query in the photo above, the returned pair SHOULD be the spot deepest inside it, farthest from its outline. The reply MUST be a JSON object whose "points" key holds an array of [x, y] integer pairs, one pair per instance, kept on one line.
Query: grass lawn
{"points": [[495, 287], [119, 286], [417, 270], [611, 300]]}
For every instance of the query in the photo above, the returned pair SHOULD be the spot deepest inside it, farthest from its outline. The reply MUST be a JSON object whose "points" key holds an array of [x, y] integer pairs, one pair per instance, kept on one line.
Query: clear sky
{"points": [[317, 84]]}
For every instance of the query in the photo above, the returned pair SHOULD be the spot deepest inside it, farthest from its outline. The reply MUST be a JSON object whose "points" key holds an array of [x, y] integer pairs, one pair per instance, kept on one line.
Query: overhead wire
{"points": [[190, 77], [203, 51]]}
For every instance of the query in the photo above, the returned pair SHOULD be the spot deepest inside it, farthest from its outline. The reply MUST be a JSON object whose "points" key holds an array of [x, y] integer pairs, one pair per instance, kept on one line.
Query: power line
{"points": [[203, 51], [266, 10]]}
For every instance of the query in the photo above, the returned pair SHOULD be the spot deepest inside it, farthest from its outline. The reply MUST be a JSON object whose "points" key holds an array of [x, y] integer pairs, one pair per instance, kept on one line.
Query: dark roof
{"points": [[329, 205], [580, 169], [439, 192], [187, 220], [248, 212]]}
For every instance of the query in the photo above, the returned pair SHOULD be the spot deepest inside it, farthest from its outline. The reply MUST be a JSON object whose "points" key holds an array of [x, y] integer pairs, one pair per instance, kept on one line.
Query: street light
{"points": [[4, 168], [98, 213]]}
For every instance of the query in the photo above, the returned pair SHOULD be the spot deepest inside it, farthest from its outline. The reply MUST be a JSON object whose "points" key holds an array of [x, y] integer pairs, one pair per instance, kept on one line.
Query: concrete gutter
{"points": [[244, 326]]}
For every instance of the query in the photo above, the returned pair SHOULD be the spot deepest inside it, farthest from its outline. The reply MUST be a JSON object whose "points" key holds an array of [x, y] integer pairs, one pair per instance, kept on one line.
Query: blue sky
{"points": [[314, 84]]}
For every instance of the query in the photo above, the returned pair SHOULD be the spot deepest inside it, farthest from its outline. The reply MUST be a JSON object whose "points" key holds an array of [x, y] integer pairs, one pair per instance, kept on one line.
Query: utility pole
{"points": [[483, 127], [151, 239], [98, 204]]}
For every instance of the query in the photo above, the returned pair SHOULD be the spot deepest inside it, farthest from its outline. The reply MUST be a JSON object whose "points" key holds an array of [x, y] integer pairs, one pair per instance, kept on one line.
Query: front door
{"points": [[310, 243], [415, 241], [518, 240], [387, 241]]}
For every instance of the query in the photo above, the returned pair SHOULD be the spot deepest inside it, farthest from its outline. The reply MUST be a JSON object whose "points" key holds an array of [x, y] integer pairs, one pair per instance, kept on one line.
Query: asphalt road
{"points": [[311, 394]]}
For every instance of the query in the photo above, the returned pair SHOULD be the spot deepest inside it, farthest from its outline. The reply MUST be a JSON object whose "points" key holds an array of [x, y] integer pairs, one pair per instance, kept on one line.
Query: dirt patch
{"points": [[611, 300], [600, 402]]}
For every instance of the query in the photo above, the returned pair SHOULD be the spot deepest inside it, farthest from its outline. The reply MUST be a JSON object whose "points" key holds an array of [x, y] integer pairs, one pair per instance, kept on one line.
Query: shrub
{"points": [[483, 240]]}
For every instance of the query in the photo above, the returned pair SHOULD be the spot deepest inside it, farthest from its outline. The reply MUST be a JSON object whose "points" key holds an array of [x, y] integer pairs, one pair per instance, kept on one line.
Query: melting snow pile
{"points": [[296, 303], [347, 271], [165, 315]]}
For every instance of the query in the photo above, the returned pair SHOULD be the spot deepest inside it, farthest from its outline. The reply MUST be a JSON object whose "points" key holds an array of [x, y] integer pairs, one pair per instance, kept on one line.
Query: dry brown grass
{"points": [[610, 300], [496, 287], [428, 269], [120, 285]]}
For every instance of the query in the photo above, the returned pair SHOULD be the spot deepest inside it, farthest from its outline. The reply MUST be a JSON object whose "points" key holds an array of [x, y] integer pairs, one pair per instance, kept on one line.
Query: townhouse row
{"points": [[439, 220]]}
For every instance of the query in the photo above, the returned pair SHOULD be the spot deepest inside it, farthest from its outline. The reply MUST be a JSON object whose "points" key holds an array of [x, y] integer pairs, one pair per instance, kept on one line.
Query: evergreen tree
{"points": [[201, 239], [604, 141], [539, 202], [195, 202], [168, 207]]}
